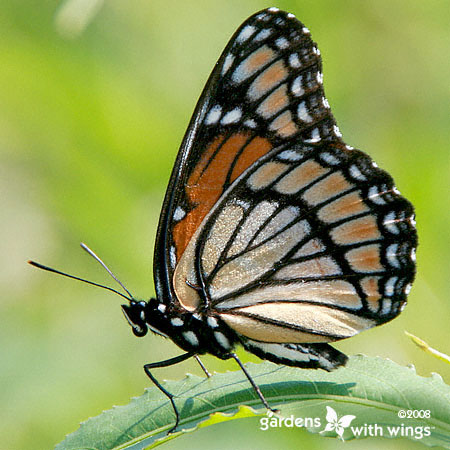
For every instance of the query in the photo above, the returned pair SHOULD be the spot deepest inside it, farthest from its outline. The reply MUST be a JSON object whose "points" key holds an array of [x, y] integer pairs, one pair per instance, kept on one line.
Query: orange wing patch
{"points": [[272, 76], [365, 259], [356, 231], [284, 125], [206, 182], [275, 102], [257, 148], [370, 288]]}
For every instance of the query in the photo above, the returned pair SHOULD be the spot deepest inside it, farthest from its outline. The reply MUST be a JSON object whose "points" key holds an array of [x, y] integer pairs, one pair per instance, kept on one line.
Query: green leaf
{"points": [[372, 389]]}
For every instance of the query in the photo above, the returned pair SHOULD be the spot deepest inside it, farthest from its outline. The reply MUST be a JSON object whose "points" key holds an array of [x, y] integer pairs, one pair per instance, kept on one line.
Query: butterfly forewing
{"points": [[266, 90]]}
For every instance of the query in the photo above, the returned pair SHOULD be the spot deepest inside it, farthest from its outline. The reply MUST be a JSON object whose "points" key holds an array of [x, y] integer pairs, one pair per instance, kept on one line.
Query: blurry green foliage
{"points": [[92, 109]]}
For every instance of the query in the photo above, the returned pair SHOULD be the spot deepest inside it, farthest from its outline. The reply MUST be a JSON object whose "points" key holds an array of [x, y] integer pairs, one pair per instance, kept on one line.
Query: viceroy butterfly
{"points": [[274, 234]]}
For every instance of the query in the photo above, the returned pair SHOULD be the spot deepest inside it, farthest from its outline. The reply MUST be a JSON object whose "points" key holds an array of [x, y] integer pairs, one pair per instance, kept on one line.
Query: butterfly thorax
{"points": [[197, 332]]}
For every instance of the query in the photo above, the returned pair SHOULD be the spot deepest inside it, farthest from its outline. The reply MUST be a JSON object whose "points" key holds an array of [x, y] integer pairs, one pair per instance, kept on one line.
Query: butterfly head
{"points": [[135, 313], [143, 316]]}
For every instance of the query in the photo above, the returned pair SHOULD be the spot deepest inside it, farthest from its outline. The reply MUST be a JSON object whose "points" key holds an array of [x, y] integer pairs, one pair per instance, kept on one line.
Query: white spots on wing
{"points": [[263, 17], [232, 116], [162, 308], [396, 191], [273, 9], [387, 305], [222, 340], [173, 257], [176, 322], [325, 103], [229, 59], [242, 203], [349, 147], [374, 164], [389, 286], [315, 137], [413, 255], [213, 115], [356, 173], [263, 34], [390, 224], [319, 77], [250, 123], [391, 255], [316, 51], [251, 225], [294, 61], [305, 30], [303, 114], [179, 213], [407, 289], [212, 322], [289, 155], [282, 43], [412, 220], [329, 158], [297, 86], [290, 16], [191, 338], [246, 33], [375, 196], [336, 131]]}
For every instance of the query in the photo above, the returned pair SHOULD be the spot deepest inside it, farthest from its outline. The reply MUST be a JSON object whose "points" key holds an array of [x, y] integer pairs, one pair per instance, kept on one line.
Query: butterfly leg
{"points": [[165, 363], [197, 358], [255, 386]]}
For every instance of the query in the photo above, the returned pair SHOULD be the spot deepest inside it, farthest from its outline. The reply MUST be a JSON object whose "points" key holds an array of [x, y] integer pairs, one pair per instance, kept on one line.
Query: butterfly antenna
{"points": [[87, 249], [50, 269]]}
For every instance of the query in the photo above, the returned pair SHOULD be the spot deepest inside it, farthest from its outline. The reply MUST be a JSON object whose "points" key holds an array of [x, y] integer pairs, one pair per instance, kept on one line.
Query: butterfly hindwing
{"points": [[265, 90], [311, 244]]}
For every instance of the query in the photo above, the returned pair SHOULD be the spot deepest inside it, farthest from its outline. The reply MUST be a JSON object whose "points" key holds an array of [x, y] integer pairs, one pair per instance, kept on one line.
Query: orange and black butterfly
{"points": [[274, 234]]}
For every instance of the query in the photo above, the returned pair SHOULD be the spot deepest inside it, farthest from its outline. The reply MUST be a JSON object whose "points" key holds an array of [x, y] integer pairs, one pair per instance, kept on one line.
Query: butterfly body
{"points": [[194, 332]]}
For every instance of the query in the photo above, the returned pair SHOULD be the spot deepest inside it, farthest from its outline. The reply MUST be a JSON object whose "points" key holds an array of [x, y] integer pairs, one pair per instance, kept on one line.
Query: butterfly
{"points": [[274, 234]]}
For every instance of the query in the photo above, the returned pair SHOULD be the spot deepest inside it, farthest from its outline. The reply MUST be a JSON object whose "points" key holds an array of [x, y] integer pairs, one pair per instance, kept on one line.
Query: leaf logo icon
{"points": [[336, 424]]}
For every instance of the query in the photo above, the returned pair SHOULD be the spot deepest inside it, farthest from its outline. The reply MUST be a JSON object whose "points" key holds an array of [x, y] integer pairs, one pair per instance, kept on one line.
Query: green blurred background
{"points": [[94, 101]]}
